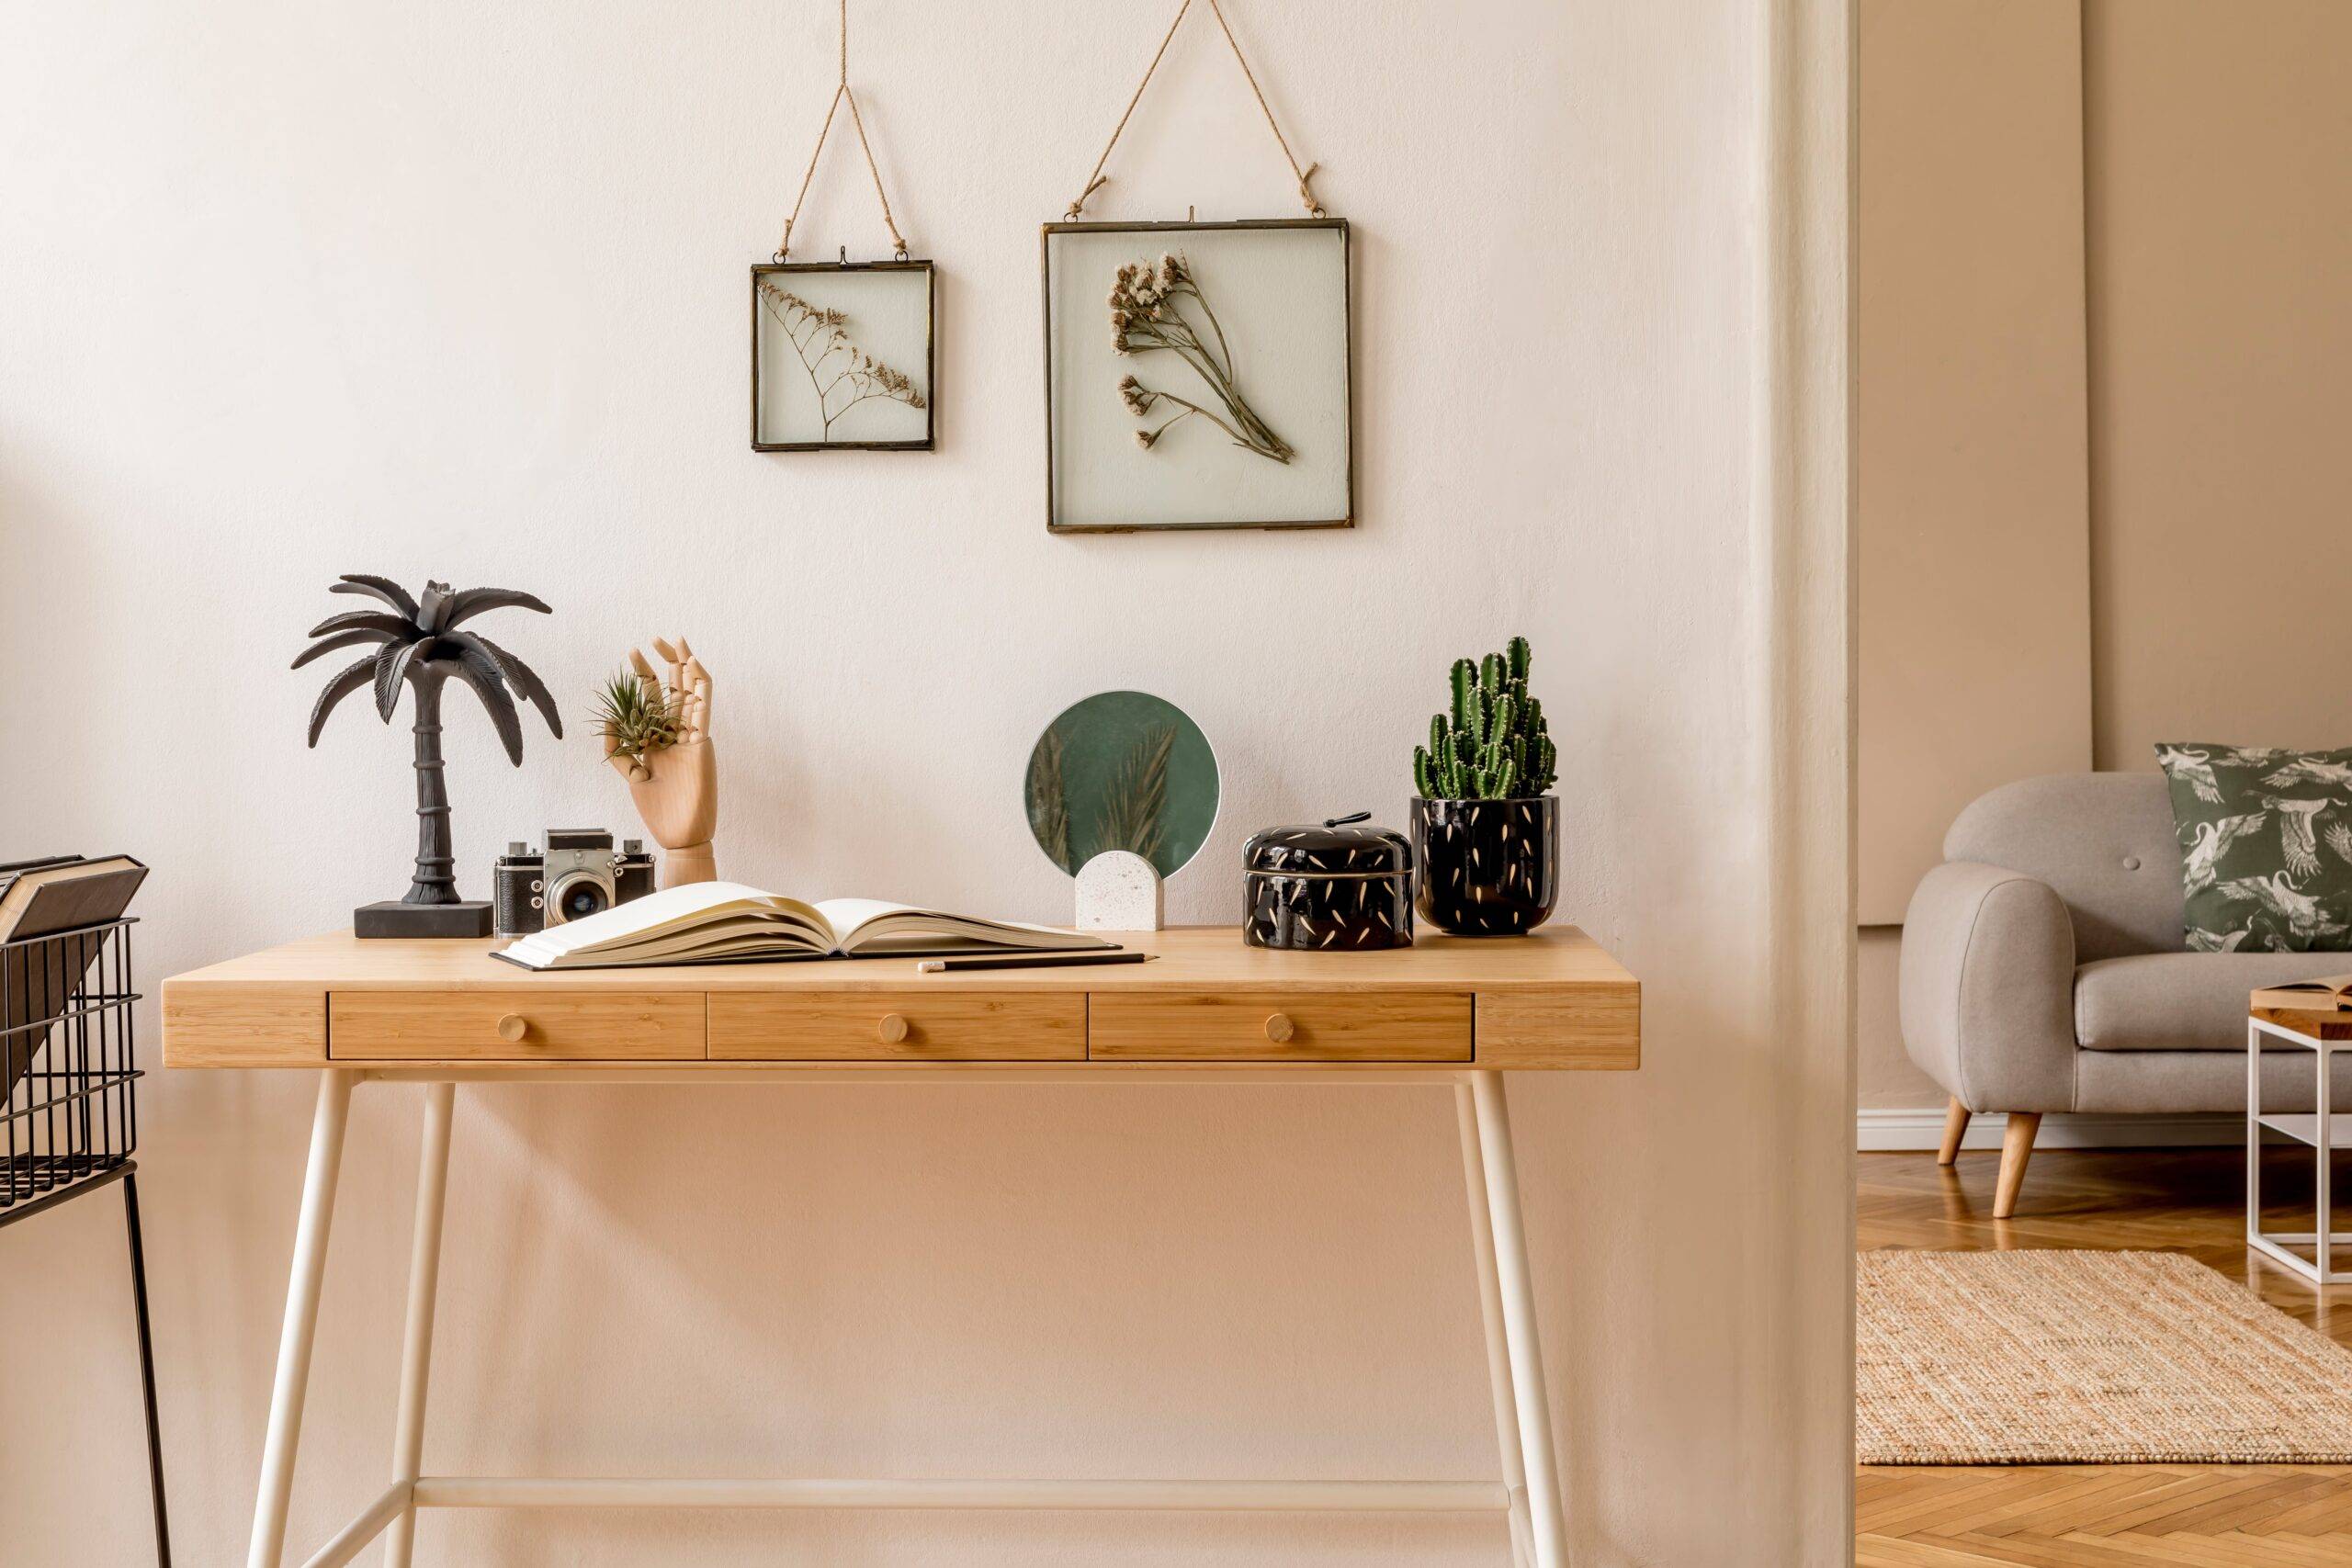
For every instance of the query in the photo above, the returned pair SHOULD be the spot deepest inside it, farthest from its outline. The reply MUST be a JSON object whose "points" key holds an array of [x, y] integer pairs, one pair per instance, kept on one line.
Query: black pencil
{"points": [[1028, 961]]}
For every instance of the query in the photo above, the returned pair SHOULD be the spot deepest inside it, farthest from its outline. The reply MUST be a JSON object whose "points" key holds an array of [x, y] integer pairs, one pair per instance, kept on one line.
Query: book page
{"points": [[2336, 984], [846, 916], [871, 925], [669, 912]]}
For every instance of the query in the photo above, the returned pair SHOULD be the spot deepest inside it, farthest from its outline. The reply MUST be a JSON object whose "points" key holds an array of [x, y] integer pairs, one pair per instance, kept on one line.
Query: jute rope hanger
{"points": [[1098, 179], [841, 94]]}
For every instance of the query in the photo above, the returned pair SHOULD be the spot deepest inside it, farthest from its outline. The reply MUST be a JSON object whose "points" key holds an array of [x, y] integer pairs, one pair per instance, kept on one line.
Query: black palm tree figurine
{"points": [[419, 646]]}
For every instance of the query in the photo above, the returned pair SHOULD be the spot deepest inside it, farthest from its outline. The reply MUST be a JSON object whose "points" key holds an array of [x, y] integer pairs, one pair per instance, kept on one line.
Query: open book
{"points": [[726, 923], [2329, 993]]}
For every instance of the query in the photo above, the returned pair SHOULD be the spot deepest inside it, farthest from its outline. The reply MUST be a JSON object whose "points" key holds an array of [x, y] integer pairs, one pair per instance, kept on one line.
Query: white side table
{"points": [[2323, 1034]]}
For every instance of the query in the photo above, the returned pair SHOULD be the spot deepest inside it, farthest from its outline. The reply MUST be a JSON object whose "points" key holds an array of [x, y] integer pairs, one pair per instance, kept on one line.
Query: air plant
{"points": [[418, 646], [1492, 743], [820, 337], [1147, 315], [636, 717]]}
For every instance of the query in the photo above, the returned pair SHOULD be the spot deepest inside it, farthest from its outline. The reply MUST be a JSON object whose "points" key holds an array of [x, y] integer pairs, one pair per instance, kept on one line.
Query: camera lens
{"points": [[577, 896], [584, 900]]}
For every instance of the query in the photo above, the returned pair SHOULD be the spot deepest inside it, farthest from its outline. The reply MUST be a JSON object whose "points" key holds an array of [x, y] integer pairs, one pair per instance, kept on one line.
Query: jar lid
{"points": [[1335, 846]]}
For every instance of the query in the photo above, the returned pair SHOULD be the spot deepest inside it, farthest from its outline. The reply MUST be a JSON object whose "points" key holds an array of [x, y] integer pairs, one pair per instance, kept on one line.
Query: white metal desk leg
{"points": [[301, 1320], [2325, 1125], [1490, 1307], [2253, 1131], [1533, 1402], [423, 1279]]}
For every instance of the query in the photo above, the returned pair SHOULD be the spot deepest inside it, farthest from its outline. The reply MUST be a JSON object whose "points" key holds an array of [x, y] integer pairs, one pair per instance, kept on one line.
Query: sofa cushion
{"points": [[2181, 1001], [2266, 840]]}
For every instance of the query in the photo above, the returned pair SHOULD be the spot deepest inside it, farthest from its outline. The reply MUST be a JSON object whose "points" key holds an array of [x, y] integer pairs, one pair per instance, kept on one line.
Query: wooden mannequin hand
{"points": [[676, 788], [676, 792]]}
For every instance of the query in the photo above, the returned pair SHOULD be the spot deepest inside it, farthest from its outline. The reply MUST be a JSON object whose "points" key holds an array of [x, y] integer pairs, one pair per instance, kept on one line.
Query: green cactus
{"points": [[1492, 742]]}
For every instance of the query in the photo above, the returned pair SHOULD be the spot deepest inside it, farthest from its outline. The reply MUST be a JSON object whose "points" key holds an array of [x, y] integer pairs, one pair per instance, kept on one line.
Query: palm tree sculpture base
{"points": [[392, 918]]}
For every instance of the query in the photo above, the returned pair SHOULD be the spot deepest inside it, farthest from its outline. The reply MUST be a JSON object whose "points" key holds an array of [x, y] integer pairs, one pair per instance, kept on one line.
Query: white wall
{"points": [[292, 290]]}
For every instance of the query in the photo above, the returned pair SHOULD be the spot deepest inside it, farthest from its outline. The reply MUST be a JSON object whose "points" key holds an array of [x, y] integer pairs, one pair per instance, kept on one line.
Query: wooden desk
{"points": [[1449, 1012]]}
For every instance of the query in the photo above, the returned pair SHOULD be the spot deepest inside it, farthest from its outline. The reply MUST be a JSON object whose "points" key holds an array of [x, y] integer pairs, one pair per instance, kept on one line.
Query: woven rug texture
{"points": [[2080, 1356]]}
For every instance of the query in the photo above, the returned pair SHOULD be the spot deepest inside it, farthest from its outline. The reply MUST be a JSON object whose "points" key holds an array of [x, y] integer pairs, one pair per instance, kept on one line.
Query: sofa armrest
{"points": [[1988, 987]]}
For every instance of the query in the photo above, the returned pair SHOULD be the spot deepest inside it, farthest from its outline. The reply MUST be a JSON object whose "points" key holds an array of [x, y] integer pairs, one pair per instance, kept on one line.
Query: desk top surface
{"points": [[1554, 998], [1186, 958]]}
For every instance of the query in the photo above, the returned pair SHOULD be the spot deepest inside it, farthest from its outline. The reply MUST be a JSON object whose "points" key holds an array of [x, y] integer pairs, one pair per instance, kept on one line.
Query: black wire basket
{"points": [[69, 1114]]}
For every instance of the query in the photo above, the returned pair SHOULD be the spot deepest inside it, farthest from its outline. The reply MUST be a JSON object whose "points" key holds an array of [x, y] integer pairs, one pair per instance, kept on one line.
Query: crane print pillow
{"points": [[2265, 846]]}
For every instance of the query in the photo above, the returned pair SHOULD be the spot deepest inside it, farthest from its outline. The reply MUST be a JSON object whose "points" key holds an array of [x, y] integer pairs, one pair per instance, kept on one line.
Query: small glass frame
{"points": [[844, 356], [1198, 375]]}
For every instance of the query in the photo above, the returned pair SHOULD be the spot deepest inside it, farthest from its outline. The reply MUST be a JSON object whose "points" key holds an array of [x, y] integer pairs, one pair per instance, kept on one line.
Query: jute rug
{"points": [[2086, 1358]]}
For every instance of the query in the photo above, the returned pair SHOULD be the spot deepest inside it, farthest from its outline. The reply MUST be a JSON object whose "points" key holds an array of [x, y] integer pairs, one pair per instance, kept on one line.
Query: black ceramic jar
{"points": [[1339, 887], [1488, 867]]}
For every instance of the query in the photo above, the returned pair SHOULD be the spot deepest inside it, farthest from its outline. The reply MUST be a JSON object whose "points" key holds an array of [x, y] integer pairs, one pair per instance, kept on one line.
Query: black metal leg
{"points": [[147, 1370]]}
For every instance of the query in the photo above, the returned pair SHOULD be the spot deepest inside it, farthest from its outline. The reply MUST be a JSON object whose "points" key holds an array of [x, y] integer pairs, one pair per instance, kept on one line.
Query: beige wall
{"points": [[294, 290], [1885, 1077], [1971, 435], [2219, 153], [2215, 159]]}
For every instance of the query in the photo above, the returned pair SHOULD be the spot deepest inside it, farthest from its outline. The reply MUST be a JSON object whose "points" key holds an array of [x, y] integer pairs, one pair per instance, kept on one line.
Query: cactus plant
{"points": [[1491, 743]]}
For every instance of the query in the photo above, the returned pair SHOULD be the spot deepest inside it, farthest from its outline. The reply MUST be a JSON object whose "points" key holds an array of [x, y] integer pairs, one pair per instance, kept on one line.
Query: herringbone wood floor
{"points": [[2188, 1201]]}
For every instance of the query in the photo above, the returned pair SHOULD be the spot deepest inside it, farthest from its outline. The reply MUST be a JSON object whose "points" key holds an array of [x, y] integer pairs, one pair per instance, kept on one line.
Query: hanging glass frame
{"points": [[1198, 375], [844, 356]]}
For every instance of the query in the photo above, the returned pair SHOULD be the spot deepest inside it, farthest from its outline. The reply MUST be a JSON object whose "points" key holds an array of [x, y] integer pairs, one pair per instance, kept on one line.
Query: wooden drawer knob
{"points": [[513, 1027], [1279, 1028], [893, 1029]]}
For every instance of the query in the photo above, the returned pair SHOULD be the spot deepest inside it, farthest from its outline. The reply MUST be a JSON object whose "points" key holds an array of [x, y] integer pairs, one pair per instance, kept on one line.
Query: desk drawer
{"points": [[897, 1026], [532, 1025], [1282, 1026]]}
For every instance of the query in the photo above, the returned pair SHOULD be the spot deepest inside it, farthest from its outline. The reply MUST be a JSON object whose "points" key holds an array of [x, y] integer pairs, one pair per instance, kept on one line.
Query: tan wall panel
{"points": [[1885, 1078], [1975, 644], [2219, 149]]}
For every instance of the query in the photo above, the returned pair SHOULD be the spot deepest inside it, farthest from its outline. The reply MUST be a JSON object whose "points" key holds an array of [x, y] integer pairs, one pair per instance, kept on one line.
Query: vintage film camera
{"points": [[580, 875]]}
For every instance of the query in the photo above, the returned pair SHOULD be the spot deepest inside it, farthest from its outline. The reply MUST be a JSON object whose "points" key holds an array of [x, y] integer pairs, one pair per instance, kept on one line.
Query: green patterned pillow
{"points": [[2265, 845]]}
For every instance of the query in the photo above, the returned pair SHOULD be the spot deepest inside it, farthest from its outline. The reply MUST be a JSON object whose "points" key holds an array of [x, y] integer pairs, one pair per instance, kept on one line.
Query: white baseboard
{"points": [[1879, 1130]]}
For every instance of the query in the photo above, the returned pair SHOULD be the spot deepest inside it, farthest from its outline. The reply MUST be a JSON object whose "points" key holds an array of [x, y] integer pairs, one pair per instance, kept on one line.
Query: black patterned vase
{"points": [[1488, 868]]}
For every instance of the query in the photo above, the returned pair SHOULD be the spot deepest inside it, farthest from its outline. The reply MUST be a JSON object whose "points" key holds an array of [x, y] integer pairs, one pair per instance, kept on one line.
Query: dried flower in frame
{"points": [[1147, 316], [817, 337]]}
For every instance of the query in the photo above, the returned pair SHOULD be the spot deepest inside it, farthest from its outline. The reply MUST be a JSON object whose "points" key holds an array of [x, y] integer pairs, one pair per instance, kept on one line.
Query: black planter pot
{"points": [[1486, 867]]}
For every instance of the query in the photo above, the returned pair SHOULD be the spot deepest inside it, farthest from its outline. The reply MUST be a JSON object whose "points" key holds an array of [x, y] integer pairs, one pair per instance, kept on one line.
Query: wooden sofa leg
{"points": [[2017, 1147], [1955, 1128]]}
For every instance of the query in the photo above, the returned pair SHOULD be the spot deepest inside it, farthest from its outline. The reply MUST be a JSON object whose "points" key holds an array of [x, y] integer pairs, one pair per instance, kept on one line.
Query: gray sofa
{"points": [[2045, 968]]}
